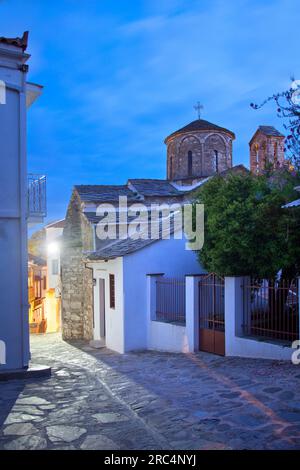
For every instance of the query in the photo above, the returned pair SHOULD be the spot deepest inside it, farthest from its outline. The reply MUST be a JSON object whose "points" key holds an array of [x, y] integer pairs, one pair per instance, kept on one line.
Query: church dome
{"points": [[198, 150], [199, 125]]}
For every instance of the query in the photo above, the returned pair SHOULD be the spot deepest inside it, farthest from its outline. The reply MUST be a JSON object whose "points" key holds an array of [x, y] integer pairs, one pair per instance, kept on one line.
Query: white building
{"points": [[121, 316], [20, 202], [54, 233]]}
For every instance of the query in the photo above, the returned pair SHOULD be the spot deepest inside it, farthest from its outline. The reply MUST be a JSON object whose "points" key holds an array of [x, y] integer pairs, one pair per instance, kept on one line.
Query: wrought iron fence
{"points": [[170, 300], [37, 195], [271, 309]]}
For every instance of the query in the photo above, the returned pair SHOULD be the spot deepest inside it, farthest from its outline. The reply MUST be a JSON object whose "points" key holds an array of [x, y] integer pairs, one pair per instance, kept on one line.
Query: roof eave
{"points": [[177, 133], [263, 133]]}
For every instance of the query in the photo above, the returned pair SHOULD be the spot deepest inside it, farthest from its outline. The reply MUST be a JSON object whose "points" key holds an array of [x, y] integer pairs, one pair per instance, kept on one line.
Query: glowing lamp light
{"points": [[53, 248]]}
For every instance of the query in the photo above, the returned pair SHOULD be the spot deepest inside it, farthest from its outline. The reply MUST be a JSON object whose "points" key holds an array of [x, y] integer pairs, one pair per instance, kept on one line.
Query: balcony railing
{"points": [[37, 207]]}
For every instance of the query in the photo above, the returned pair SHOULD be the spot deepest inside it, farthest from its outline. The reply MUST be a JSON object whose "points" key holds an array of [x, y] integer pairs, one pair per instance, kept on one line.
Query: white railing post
{"points": [[234, 312], [151, 295], [192, 311], [299, 307]]}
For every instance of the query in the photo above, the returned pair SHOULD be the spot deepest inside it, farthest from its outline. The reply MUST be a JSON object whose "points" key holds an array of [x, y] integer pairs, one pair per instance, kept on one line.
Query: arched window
{"points": [[216, 163], [171, 167], [190, 162], [264, 160], [275, 155], [256, 157]]}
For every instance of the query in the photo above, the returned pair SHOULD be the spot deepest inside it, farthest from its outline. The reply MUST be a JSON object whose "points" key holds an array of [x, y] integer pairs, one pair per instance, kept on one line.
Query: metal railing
{"points": [[271, 309], [37, 195], [170, 300]]}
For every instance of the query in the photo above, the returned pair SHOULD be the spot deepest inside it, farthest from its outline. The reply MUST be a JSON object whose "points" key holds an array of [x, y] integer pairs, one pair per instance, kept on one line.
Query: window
{"points": [[256, 157], [171, 167], [190, 162], [37, 286], [45, 282], [112, 295], [275, 155], [54, 267], [216, 161], [30, 277]]}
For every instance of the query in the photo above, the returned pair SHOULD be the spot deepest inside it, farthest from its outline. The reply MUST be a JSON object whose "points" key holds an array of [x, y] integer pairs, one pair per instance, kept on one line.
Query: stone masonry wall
{"points": [[77, 284], [203, 146]]}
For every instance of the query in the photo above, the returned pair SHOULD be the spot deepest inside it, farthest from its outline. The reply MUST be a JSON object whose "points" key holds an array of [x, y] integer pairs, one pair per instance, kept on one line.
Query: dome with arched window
{"points": [[197, 151]]}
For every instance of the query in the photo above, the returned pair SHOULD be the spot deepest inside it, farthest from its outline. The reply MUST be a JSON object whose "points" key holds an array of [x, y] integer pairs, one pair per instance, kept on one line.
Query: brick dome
{"points": [[197, 151]]}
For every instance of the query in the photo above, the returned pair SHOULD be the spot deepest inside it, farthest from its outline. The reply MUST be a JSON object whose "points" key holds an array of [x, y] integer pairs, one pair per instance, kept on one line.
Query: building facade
{"points": [[15, 211], [37, 289], [84, 263]]}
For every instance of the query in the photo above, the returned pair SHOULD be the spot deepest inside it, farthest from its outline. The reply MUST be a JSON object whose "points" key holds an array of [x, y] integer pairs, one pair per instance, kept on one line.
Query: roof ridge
{"points": [[148, 179], [100, 185]]}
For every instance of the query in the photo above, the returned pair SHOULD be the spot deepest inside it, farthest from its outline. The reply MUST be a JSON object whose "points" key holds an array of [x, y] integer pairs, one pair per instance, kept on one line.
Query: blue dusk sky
{"points": [[120, 75]]}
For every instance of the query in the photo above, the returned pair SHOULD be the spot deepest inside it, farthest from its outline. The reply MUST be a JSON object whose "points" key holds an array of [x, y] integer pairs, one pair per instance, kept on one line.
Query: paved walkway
{"points": [[97, 399]]}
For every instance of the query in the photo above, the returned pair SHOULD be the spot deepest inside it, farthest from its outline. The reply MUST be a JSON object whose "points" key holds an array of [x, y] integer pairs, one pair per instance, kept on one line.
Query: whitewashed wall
{"points": [[128, 326], [167, 337], [13, 210], [165, 256], [53, 236], [114, 318], [235, 343]]}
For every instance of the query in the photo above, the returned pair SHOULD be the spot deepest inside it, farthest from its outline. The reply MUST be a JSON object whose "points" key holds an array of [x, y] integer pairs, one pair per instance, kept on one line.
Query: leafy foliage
{"points": [[37, 243], [247, 232]]}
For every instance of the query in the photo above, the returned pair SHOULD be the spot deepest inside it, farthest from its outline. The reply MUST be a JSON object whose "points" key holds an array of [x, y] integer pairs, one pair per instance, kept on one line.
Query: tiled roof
{"points": [[93, 218], [120, 248], [104, 193], [154, 187], [125, 247], [36, 260], [295, 203], [235, 170], [270, 130], [57, 224], [18, 42], [199, 125], [139, 188]]}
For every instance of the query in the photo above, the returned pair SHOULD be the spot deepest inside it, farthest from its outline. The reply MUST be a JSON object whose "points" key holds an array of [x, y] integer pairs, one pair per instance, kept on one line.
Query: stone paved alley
{"points": [[97, 399]]}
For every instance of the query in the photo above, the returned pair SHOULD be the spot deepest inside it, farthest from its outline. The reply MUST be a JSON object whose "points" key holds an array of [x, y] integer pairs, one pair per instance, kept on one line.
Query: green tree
{"points": [[247, 232], [37, 243], [288, 109]]}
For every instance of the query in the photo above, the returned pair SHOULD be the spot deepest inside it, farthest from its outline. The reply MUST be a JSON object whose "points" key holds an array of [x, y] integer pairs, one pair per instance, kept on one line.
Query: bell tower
{"points": [[266, 148]]}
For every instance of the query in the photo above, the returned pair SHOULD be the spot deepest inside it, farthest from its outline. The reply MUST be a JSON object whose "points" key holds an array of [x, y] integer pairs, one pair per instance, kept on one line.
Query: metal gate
{"points": [[211, 314]]}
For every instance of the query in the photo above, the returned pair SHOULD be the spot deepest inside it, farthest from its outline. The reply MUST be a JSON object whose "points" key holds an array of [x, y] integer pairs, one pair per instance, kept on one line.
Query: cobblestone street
{"points": [[97, 399]]}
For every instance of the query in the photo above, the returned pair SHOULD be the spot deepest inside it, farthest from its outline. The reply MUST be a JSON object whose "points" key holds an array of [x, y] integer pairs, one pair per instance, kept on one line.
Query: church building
{"points": [[104, 282]]}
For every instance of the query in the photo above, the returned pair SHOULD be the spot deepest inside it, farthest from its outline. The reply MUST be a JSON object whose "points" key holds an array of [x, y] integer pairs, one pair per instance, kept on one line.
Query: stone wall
{"points": [[77, 283], [203, 145]]}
